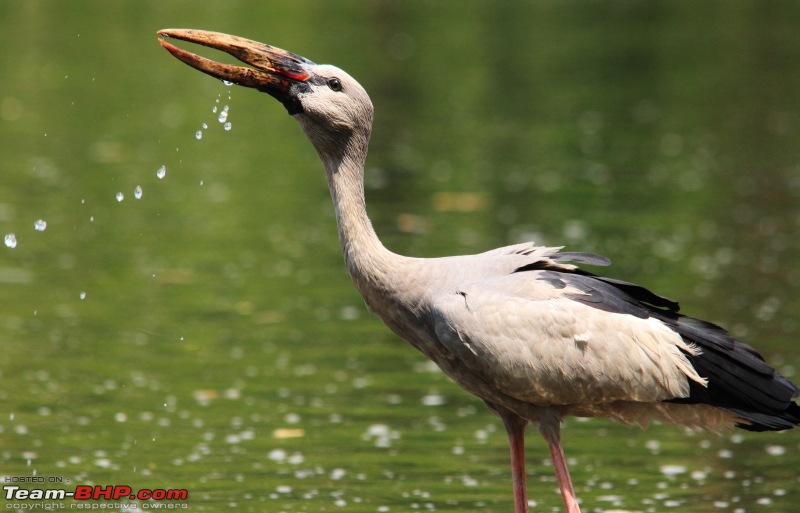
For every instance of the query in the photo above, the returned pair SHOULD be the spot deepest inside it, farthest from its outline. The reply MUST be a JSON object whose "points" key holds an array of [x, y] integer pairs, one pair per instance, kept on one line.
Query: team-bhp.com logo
{"points": [[92, 497]]}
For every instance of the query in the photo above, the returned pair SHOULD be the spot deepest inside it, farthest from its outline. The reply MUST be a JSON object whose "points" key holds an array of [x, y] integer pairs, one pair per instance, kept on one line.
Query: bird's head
{"points": [[328, 103]]}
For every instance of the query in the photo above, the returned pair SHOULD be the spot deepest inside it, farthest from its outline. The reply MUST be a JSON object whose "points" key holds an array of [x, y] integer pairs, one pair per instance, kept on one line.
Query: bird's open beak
{"points": [[280, 73]]}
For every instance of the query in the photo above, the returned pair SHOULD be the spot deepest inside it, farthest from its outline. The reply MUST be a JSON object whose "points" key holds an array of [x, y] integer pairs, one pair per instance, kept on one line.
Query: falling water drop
{"points": [[40, 225], [137, 192], [10, 240], [198, 135], [227, 126], [204, 125], [223, 116], [82, 295], [120, 196], [162, 172], [227, 83]]}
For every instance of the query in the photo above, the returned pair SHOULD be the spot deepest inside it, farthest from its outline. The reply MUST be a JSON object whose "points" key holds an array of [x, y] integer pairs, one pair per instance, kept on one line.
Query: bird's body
{"points": [[450, 309], [521, 327]]}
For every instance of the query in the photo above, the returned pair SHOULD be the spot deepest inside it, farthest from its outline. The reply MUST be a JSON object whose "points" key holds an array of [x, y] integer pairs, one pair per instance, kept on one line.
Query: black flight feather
{"points": [[739, 380], [581, 258]]}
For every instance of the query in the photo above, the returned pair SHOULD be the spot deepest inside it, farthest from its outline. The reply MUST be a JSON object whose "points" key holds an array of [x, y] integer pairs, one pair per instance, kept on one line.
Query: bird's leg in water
{"points": [[552, 435], [515, 429]]}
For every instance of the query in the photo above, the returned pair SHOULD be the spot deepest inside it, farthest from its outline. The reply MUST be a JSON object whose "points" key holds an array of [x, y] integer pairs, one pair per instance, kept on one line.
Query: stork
{"points": [[522, 327]]}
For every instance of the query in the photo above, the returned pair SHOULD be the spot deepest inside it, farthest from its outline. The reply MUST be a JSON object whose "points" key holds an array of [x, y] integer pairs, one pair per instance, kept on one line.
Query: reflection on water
{"points": [[176, 313]]}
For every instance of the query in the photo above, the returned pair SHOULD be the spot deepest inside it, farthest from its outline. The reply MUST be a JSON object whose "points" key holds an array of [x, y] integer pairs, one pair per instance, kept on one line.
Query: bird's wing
{"points": [[550, 333], [735, 376], [537, 254], [528, 336]]}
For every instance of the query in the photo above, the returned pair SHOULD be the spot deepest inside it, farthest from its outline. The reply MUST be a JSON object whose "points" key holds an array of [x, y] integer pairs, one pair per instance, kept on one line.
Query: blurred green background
{"points": [[206, 335]]}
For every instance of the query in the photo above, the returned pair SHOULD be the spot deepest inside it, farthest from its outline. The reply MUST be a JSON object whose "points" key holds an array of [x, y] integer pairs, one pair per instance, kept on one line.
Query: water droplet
{"points": [[227, 83], [40, 225], [120, 196], [204, 126], [227, 126], [10, 240], [214, 110], [223, 116], [137, 192], [198, 135], [162, 172], [82, 295]]}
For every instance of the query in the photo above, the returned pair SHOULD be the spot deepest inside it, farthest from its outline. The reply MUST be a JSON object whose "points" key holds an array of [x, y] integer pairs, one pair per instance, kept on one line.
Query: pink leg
{"points": [[515, 428], [551, 434]]}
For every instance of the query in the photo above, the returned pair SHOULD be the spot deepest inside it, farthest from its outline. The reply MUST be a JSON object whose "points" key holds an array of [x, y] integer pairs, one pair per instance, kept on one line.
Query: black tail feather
{"points": [[739, 380]]}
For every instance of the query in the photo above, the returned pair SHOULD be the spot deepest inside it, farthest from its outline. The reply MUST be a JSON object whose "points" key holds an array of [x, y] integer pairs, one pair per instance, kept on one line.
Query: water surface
{"points": [[184, 320]]}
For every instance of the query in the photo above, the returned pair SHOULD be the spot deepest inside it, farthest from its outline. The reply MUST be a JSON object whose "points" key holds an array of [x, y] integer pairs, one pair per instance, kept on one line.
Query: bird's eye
{"points": [[335, 84]]}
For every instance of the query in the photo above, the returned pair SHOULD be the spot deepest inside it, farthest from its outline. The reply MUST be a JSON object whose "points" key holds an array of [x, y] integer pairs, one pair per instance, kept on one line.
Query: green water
{"points": [[206, 335]]}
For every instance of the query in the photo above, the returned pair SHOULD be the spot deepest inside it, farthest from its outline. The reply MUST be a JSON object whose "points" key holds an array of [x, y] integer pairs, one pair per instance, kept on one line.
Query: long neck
{"points": [[362, 249], [368, 261]]}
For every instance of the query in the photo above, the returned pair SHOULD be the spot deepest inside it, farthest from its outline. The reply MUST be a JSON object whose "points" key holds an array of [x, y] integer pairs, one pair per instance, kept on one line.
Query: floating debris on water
{"points": [[283, 433], [381, 435], [40, 225], [670, 470], [103, 462], [162, 172], [204, 397], [120, 196], [277, 455], [10, 240], [776, 450], [137, 192], [433, 400]]}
